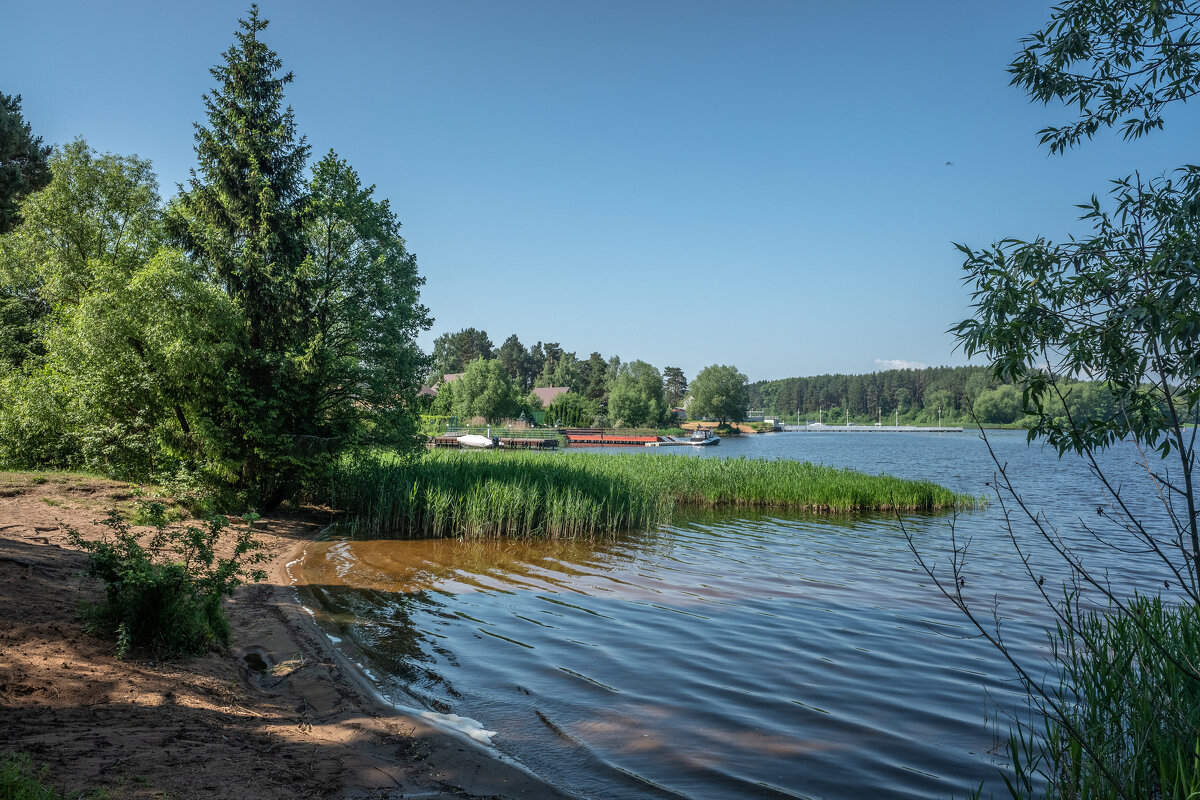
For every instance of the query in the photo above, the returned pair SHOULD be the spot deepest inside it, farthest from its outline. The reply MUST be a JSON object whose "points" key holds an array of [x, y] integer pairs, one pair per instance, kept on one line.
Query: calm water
{"points": [[729, 656]]}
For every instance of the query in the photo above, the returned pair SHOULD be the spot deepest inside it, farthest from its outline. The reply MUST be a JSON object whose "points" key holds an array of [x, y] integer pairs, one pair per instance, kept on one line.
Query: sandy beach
{"points": [[276, 715]]}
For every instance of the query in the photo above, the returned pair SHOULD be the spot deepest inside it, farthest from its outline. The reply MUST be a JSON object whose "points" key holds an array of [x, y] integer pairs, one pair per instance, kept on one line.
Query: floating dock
{"points": [[595, 436], [668, 441], [528, 444], [869, 429]]}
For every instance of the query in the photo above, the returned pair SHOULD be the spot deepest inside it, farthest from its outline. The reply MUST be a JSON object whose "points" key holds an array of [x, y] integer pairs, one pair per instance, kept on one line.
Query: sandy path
{"points": [[208, 727]]}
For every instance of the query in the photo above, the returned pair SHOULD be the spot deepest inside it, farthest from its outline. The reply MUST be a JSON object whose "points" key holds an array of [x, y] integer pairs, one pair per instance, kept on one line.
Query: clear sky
{"points": [[774, 185]]}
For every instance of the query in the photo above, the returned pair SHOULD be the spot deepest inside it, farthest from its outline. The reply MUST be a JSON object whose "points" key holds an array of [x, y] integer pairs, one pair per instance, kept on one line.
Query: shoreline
{"points": [[279, 713], [351, 659]]}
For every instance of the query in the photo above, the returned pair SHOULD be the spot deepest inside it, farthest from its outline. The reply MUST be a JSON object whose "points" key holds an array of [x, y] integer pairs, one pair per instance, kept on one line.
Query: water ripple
{"points": [[730, 656]]}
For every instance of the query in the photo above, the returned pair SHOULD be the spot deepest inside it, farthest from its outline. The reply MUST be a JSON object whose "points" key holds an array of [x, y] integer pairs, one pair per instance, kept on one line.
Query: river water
{"points": [[733, 655]]}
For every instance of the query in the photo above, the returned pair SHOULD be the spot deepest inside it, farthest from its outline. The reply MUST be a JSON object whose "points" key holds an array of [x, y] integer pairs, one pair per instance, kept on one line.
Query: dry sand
{"points": [[208, 727]]}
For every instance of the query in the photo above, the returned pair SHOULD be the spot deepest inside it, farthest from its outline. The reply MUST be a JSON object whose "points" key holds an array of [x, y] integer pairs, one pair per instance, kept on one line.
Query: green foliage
{"points": [[571, 410], [279, 334], [486, 390], [1001, 405], [23, 167], [1119, 62], [515, 359], [565, 371], [241, 217], [93, 226], [452, 352], [165, 593], [20, 781], [720, 392], [1127, 682], [597, 381], [453, 493], [1119, 306], [129, 330], [434, 424], [636, 397], [360, 358], [886, 391], [675, 386]]}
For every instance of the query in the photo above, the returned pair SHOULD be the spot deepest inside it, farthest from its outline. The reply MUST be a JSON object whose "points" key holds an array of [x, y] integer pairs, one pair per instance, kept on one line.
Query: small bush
{"points": [[165, 594]]}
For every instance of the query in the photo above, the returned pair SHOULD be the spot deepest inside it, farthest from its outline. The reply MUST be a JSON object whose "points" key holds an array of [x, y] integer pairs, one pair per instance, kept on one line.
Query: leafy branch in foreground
{"points": [[1120, 709], [1122, 305], [163, 590], [1120, 63], [1118, 713]]}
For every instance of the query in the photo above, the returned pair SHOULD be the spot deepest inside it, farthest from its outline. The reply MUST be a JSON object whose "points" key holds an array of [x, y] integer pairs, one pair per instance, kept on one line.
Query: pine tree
{"points": [[24, 161]]}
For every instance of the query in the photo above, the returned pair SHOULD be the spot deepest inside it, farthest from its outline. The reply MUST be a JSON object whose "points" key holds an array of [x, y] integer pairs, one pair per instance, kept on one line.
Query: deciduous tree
{"points": [[486, 390], [637, 395], [721, 392], [1118, 305]]}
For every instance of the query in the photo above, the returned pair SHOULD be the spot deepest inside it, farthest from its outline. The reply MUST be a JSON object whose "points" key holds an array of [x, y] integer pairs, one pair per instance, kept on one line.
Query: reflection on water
{"points": [[729, 656]]}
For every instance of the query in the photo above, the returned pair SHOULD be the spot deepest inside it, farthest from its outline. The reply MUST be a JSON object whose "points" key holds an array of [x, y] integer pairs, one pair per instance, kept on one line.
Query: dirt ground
{"points": [[209, 727]]}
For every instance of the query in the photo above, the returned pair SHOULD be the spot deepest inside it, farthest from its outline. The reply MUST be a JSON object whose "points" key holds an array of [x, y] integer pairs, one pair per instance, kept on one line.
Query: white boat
{"points": [[703, 436], [476, 440]]}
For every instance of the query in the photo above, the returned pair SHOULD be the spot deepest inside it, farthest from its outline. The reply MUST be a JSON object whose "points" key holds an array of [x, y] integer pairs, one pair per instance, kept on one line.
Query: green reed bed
{"points": [[496, 493]]}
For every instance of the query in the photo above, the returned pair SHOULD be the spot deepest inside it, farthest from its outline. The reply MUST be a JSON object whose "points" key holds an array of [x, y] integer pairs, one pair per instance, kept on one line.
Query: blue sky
{"points": [[759, 183]]}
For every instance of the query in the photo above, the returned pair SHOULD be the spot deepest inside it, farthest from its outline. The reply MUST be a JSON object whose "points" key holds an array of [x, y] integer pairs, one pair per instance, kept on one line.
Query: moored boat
{"points": [[476, 440]]}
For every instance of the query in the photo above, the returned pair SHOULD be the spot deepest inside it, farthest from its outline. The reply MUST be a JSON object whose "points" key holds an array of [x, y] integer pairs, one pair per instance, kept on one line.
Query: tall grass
{"points": [[1125, 716], [472, 494]]}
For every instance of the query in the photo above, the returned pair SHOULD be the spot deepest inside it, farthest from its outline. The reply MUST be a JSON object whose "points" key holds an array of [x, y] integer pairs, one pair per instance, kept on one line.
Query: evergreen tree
{"points": [[24, 161], [241, 217], [516, 361], [675, 385], [452, 352]]}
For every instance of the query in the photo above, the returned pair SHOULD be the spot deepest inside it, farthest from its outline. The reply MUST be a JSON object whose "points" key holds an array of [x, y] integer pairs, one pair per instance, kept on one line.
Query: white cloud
{"points": [[898, 363]]}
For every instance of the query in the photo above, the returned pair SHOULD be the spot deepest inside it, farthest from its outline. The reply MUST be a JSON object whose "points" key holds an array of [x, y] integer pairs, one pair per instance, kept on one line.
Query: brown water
{"points": [[729, 656]]}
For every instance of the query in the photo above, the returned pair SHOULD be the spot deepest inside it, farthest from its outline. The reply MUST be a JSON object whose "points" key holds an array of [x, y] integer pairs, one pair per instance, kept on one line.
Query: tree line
{"points": [[948, 394], [496, 384]]}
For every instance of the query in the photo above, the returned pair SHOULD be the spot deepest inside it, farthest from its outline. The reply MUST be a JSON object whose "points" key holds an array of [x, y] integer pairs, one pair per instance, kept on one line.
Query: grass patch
{"points": [[476, 494], [20, 781]]}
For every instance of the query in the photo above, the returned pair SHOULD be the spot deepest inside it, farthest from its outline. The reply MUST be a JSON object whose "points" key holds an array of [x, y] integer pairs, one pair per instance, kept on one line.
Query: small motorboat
{"points": [[704, 436], [476, 440]]}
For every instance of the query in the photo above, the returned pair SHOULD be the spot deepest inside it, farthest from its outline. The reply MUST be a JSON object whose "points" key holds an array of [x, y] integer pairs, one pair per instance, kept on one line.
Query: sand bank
{"points": [[277, 715]]}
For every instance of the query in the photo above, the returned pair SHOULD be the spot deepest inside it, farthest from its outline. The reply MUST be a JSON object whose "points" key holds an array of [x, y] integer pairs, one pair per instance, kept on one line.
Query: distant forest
{"points": [[894, 390], [916, 394]]}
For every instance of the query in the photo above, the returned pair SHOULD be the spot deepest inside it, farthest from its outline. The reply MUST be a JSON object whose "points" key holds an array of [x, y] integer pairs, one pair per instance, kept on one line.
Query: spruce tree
{"points": [[241, 217]]}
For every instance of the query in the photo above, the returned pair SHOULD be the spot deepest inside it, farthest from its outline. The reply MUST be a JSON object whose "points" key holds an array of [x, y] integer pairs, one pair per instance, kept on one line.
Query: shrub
{"points": [[165, 594]]}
